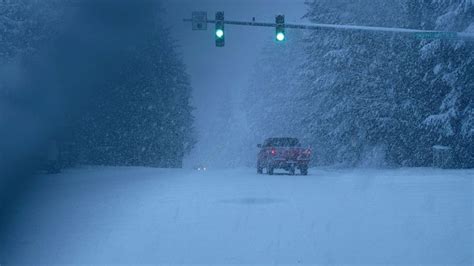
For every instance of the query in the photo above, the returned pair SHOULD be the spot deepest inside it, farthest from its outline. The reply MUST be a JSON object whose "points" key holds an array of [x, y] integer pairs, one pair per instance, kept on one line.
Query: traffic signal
{"points": [[220, 33], [280, 35]]}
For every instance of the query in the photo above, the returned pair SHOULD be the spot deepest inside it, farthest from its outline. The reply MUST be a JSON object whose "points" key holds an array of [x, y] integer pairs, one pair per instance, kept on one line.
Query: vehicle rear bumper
{"points": [[287, 164]]}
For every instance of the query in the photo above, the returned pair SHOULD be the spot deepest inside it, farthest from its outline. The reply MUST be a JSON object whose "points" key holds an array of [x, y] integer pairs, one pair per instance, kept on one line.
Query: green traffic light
{"points": [[280, 36], [219, 33]]}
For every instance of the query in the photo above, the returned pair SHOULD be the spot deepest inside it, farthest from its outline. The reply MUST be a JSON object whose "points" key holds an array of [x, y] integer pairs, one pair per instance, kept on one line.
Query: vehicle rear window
{"points": [[282, 142]]}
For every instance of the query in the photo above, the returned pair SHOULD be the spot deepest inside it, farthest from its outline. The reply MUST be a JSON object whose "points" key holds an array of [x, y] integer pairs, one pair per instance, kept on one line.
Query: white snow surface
{"points": [[333, 216]]}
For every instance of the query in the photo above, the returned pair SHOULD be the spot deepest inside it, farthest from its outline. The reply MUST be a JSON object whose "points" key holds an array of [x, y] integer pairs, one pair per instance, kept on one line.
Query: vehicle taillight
{"points": [[274, 152]]}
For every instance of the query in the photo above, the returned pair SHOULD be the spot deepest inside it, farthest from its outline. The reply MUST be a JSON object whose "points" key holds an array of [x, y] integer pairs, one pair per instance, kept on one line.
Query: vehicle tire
{"points": [[270, 170], [304, 171], [292, 170]]}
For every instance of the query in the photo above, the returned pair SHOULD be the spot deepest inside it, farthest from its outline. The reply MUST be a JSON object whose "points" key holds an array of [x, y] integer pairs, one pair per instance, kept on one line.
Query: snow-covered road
{"points": [[141, 215]]}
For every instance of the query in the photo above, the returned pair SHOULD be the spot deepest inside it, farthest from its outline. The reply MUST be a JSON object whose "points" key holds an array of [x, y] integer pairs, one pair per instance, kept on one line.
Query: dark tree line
{"points": [[143, 115], [101, 79]]}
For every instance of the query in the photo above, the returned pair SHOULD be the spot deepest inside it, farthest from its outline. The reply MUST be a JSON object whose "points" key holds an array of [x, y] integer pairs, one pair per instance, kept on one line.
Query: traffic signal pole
{"points": [[422, 34]]}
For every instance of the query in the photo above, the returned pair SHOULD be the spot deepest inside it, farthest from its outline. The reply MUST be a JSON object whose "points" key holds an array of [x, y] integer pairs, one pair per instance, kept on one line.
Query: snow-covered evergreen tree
{"points": [[448, 66], [351, 97], [110, 87], [24, 25], [143, 115], [374, 98], [383, 101]]}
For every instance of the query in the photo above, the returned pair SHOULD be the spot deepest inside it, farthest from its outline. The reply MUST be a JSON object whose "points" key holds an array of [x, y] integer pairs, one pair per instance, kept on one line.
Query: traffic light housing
{"points": [[280, 35], [220, 31]]}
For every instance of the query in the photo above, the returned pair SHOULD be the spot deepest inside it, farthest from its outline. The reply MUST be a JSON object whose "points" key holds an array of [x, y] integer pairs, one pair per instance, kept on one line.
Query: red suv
{"points": [[283, 153]]}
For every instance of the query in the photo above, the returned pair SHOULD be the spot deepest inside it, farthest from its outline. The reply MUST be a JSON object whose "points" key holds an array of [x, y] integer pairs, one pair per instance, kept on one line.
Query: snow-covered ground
{"points": [[141, 215]]}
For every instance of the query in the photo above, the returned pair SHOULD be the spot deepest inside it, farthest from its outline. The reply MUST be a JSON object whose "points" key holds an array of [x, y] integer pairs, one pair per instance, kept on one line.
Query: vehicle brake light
{"points": [[273, 152]]}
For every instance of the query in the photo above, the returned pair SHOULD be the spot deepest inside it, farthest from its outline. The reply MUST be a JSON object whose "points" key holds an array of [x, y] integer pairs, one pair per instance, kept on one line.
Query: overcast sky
{"points": [[217, 71]]}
